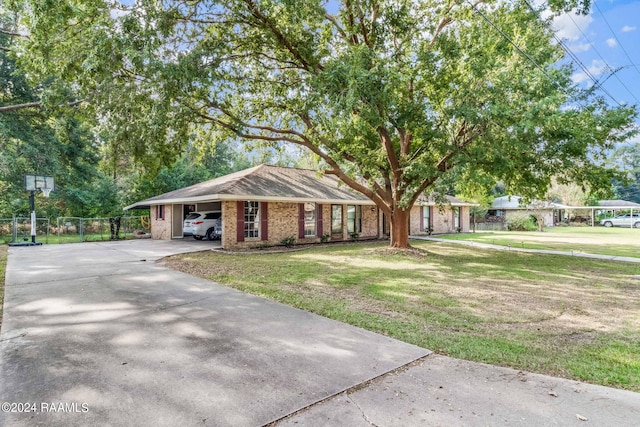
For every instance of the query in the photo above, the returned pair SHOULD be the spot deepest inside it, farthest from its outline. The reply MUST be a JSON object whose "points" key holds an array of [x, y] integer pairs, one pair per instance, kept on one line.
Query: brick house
{"points": [[265, 204]]}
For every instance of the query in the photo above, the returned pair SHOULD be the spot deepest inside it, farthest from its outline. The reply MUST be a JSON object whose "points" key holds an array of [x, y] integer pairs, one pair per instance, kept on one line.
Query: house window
{"points": [[354, 219], [336, 219], [309, 220], [426, 217], [456, 216], [160, 212], [251, 219]]}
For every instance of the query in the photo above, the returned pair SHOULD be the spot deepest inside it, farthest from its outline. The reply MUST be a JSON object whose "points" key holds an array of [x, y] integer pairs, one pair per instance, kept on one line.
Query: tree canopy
{"points": [[393, 97]]}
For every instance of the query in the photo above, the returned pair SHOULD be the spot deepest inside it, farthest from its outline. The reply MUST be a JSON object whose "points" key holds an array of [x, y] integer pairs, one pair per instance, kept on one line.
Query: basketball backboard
{"points": [[38, 182]]}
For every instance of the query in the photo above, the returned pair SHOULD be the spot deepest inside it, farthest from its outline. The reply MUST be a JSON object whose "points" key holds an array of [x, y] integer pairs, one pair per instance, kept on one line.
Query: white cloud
{"points": [[612, 42], [628, 29], [596, 68], [580, 47], [568, 26]]}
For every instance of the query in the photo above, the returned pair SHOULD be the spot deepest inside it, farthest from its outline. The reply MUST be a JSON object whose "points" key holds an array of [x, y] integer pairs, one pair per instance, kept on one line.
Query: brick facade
{"points": [[442, 220], [283, 222], [161, 228]]}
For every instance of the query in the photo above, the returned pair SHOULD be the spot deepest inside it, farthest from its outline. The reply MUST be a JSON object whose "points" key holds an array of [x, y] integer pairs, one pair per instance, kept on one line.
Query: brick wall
{"points": [[369, 222], [161, 228], [442, 220], [229, 219], [283, 223]]}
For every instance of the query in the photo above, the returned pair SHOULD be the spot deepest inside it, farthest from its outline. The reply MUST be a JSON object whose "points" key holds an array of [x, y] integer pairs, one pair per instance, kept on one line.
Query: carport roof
{"points": [[262, 183]]}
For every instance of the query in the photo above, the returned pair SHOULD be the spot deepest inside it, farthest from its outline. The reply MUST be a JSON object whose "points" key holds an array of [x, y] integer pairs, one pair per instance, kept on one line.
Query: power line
{"points": [[573, 56], [507, 38], [613, 72], [616, 38]]}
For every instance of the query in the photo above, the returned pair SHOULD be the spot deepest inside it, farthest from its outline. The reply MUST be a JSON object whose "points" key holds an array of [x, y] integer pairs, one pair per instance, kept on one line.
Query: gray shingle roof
{"points": [[263, 182]]}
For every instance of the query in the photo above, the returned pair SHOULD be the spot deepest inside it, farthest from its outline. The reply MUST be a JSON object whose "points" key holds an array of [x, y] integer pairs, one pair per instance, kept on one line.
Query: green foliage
{"points": [[288, 242], [627, 158], [325, 238], [401, 94], [520, 222]]}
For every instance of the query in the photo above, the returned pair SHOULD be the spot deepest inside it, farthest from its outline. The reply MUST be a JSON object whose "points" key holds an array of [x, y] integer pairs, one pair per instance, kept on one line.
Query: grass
{"points": [[623, 242], [570, 317], [3, 266], [69, 238]]}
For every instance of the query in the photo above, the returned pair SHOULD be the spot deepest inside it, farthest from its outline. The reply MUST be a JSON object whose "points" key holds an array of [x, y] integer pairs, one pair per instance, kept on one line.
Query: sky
{"points": [[605, 40]]}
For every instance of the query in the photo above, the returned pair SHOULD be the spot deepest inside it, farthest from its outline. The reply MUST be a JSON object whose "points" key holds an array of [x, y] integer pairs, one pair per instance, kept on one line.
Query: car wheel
{"points": [[636, 225], [197, 237], [211, 234], [608, 224]]}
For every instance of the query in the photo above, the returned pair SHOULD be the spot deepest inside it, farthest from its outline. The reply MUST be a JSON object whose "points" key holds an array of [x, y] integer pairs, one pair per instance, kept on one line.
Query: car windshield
{"points": [[193, 215]]}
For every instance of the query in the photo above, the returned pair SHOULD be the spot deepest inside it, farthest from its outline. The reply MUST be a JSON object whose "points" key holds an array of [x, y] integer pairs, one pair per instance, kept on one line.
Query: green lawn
{"points": [[571, 317], [595, 240]]}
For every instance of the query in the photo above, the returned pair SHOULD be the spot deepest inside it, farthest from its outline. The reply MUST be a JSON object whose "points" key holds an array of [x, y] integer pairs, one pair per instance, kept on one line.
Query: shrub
{"points": [[520, 222], [325, 238], [288, 242]]}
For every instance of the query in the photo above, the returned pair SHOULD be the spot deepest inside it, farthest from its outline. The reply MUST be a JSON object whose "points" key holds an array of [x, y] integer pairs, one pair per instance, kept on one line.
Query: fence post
{"points": [[14, 231]]}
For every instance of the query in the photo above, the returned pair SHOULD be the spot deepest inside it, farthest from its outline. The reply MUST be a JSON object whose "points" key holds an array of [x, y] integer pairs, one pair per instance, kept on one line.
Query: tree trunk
{"points": [[399, 222]]}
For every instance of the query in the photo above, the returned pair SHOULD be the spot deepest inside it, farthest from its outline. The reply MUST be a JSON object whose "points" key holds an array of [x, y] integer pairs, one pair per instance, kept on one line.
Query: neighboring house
{"points": [[505, 206], [265, 204]]}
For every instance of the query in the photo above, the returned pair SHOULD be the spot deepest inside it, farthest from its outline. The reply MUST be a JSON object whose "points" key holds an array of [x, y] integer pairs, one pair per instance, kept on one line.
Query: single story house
{"points": [[504, 206], [265, 204]]}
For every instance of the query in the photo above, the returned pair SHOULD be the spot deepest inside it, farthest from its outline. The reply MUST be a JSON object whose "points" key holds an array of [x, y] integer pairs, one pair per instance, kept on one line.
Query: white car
{"points": [[622, 221], [202, 225]]}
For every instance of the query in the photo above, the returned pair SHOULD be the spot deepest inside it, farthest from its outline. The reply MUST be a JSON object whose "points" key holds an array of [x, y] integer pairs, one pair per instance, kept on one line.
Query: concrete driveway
{"points": [[99, 334]]}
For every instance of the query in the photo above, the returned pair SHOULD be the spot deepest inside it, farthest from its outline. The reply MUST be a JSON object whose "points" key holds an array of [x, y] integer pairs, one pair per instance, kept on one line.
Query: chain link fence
{"points": [[74, 229], [18, 229]]}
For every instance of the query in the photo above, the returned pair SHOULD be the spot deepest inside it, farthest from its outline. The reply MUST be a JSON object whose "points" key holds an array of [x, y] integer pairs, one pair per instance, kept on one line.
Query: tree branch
{"points": [[12, 33], [36, 104], [281, 37]]}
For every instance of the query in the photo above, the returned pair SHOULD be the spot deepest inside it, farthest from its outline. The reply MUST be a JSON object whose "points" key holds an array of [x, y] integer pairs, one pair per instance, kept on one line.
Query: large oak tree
{"points": [[392, 96]]}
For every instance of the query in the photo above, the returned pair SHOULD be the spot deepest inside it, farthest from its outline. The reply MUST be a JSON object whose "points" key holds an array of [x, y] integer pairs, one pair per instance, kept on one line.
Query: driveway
{"points": [[100, 334]]}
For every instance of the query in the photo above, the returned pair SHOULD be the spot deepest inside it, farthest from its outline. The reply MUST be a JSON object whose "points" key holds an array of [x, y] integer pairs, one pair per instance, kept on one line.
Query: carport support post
{"points": [[32, 206]]}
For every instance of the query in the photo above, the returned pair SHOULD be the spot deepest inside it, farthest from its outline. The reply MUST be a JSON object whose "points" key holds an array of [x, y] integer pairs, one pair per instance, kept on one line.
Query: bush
{"points": [[325, 238], [520, 222], [288, 241]]}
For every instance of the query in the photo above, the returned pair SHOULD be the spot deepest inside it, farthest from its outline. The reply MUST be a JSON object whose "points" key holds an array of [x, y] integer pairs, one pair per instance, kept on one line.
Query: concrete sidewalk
{"points": [[99, 324], [441, 391], [536, 251]]}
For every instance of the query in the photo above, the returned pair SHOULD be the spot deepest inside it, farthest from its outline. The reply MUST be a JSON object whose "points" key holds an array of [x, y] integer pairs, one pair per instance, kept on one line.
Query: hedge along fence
{"points": [[18, 229], [75, 229]]}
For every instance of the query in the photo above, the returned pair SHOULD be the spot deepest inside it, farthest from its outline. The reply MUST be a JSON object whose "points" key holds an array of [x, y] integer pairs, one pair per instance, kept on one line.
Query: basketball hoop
{"points": [[46, 191]]}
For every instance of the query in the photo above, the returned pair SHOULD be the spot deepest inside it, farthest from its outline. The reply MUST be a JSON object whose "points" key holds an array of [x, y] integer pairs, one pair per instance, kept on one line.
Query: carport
{"points": [[176, 211], [605, 206]]}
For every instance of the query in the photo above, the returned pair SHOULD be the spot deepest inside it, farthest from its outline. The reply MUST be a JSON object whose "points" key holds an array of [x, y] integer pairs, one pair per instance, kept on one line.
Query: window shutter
{"points": [[240, 221], [264, 216], [422, 218], [319, 231], [301, 220]]}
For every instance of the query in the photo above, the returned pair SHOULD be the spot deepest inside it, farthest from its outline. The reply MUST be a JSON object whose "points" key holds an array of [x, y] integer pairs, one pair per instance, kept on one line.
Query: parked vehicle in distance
{"points": [[202, 225], [625, 220]]}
